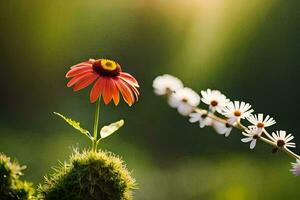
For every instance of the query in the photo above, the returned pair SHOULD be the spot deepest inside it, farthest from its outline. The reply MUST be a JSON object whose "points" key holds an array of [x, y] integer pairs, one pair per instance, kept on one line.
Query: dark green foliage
{"points": [[11, 187], [89, 176]]}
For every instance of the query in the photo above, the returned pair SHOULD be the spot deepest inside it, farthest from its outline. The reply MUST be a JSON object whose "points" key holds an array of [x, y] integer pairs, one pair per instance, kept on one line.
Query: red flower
{"points": [[109, 80]]}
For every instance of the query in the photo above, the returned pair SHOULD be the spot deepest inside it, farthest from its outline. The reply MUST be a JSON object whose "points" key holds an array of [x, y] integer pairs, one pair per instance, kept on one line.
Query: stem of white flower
{"points": [[267, 134], [268, 141], [288, 151]]}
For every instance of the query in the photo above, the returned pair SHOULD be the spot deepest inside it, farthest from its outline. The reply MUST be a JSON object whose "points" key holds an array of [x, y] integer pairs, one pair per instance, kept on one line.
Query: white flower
{"points": [[222, 128], [236, 110], [260, 122], [185, 100], [202, 118], [252, 134], [166, 84], [296, 168], [282, 139], [215, 99]]}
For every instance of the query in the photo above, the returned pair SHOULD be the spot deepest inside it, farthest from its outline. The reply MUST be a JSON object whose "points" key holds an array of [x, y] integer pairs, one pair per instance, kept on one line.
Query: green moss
{"points": [[89, 176], [11, 187]]}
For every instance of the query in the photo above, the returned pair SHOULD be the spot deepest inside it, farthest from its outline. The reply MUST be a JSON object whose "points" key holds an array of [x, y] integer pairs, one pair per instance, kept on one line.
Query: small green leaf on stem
{"points": [[75, 125], [110, 129]]}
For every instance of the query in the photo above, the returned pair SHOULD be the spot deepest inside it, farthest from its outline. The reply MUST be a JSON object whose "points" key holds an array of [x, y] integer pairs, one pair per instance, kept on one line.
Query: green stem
{"points": [[96, 124]]}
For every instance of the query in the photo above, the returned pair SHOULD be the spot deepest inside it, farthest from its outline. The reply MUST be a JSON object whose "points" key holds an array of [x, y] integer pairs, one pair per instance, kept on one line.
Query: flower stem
{"points": [[96, 124]]}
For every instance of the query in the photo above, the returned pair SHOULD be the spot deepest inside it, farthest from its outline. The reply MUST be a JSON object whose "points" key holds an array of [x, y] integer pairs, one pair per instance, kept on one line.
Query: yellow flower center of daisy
{"points": [[105, 67], [109, 64]]}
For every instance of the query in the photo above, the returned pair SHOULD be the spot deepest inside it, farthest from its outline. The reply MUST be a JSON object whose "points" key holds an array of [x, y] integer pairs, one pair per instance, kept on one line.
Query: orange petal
{"points": [[78, 78], [97, 89], [128, 77], [91, 61], [108, 90], [125, 91], [116, 96], [135, 91], [85, 82], [79, 70], [133, 88]]}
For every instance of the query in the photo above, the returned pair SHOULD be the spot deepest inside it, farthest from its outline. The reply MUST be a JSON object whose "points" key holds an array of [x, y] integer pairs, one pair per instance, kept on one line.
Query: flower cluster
{"points": [[223, 115]]}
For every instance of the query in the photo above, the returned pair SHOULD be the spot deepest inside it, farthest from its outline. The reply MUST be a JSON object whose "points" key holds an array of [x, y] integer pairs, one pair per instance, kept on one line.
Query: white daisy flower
{"points": [[235, 111], [215, 99], [185, 100], [222, 128], [166, 84], [202, 118], [282, 139], [252, 134], [296, 168], [260, 122]]}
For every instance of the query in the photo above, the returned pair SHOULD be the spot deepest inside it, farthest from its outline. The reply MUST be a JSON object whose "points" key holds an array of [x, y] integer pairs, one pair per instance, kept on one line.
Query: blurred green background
{"points": [[247, 49]]}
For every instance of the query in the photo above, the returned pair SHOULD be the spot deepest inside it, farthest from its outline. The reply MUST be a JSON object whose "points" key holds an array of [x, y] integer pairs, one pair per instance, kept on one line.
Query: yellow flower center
{"points": [[109, 64], [106, 67]]}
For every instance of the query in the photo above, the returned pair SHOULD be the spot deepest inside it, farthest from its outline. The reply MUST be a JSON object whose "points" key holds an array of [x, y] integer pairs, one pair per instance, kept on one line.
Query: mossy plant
{"points": [[89, 175], [11, 187]]}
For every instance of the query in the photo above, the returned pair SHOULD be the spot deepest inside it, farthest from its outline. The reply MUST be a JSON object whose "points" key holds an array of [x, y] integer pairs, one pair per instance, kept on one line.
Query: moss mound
{"points": [[89, 176], [11, 187]]}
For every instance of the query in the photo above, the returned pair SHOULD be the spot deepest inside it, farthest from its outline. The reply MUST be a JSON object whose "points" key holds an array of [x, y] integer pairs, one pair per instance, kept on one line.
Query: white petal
{"points": [[282, 134], [174, 101], [252, 144], [159, 92], [207, 121], [248, 139], [219, 127], [228, 132], [274, 136], [232, 120], [291, 144], [185, 109], [194, 117], [260, 117]]}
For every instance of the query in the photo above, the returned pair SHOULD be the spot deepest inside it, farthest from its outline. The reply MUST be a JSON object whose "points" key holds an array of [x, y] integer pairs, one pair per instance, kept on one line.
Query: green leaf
{"points": [[110, 129], [75, 125]]}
